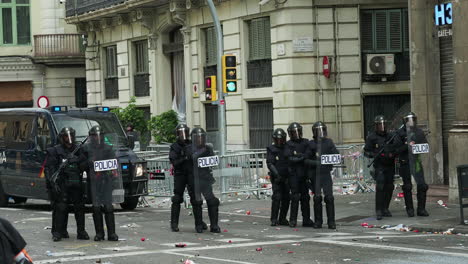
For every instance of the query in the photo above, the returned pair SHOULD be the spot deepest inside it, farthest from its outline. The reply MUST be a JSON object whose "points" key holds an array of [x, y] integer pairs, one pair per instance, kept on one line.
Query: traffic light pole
{"points": [[219, 80]]}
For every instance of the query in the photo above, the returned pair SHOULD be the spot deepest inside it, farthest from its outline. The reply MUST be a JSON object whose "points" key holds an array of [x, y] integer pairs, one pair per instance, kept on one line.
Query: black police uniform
{"points": [[70, 190], [401, 143], [277, 163], [11, 244], [322, 181], [203, 185], [100, 184], [295, 150], [379, 147]]}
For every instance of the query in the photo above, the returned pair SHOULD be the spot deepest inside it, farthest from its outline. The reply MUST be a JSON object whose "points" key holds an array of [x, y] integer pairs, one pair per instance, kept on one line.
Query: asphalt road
{"points": [[246, 238]]}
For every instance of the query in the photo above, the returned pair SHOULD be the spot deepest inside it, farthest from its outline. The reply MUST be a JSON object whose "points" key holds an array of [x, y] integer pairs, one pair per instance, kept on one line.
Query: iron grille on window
{"points": [[111, 83], [259, 64], [141, 77], [211, 119], [386, 31], [211, 46], [259, 73], [260, 124]]}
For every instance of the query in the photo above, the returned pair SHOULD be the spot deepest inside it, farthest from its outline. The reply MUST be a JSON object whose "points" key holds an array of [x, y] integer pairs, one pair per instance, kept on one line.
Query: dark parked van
{"points": [[25, 134]]}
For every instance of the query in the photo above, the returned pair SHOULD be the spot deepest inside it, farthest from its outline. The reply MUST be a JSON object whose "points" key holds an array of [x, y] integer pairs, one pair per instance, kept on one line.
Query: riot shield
{"points": [[415, 148], [104, 170], [203, 161]]}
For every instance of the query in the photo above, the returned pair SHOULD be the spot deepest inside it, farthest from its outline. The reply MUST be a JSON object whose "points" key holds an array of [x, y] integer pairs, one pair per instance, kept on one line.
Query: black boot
{"points": [[80, 223], [408, 195], [330, 207], [388, 198], [213, 207], [198, 215], [379, 202], [284, 212], [175, 212], [60, 216], [318, 211], [422, 192], [110, 223], [305, 208], [275, 207], [98, 224], [293, 213]]}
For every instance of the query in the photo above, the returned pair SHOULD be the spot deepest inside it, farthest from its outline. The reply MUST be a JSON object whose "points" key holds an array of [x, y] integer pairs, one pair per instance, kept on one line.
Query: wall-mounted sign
{"points": [[443, 17], [303, 44], [443, 14]]}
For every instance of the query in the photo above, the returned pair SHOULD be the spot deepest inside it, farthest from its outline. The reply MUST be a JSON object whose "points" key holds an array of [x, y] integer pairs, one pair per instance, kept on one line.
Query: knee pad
{"points": [[61, 207], [318, 198], [305, 198], [423, 187], [194, 202], [177, 199], [295, 197], [213, 202], [108, 208], [276, 197], [97, 209], [407, 187], [329, 199], [379, 187]]}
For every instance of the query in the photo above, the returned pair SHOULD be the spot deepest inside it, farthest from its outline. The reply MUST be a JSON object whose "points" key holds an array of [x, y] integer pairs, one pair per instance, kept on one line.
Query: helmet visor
{"points": [[68, 137], [279, 141], [410, 121], [199, 139], [183, 134], [320, 132], [97, 138], [380, 126], [295, 133]]}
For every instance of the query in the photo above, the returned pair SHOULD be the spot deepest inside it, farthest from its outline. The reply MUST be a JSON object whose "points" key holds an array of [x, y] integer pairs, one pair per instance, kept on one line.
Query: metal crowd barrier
{"points": [[237, 173], [246, 172], [353, 170]]}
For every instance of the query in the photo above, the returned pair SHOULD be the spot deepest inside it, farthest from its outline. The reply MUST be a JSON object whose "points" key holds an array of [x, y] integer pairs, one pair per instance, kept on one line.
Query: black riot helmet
{"points": [[319, 129], [380, 124], [295, 131], [279, 137], [182, 132], [96, 135], [67, 135], [198, 137], [410, 119]]}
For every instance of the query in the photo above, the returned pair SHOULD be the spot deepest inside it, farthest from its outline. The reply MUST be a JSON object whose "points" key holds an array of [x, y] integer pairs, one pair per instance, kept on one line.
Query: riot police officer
{"points": [[295, 150], [67, 187], [277, 163], [410, 164], [101, 184], [320, 174], [179, 155], [379, 147], [203, 182]]}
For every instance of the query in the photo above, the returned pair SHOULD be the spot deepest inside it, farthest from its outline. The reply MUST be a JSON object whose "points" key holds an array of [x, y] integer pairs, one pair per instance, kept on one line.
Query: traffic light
{"points": [[210, 88], [229, 74]]}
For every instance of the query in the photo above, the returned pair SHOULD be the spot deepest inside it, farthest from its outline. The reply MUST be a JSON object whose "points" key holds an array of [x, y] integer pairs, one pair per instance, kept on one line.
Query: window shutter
{"points": [[260, 38], [405, 30], [381, 43], [211, 46], [367, 33], [395, 33]]}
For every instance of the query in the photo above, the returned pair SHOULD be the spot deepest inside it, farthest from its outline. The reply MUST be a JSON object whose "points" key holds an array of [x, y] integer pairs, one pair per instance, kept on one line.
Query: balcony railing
{"points": [[79, 7], [58, 45]]}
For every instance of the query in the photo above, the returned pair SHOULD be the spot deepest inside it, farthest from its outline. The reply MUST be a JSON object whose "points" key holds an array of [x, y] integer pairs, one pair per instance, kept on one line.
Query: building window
{"points": [[259, 64], [16, 25], [260, 124], [211, 52], [211, 119], [111, 80], [385, 31], [81, 97], [141, 77]]}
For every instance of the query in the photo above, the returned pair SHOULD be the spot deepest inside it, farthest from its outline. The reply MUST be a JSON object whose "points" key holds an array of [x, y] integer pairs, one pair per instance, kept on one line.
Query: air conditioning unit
{"points": [[380, 64]]}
